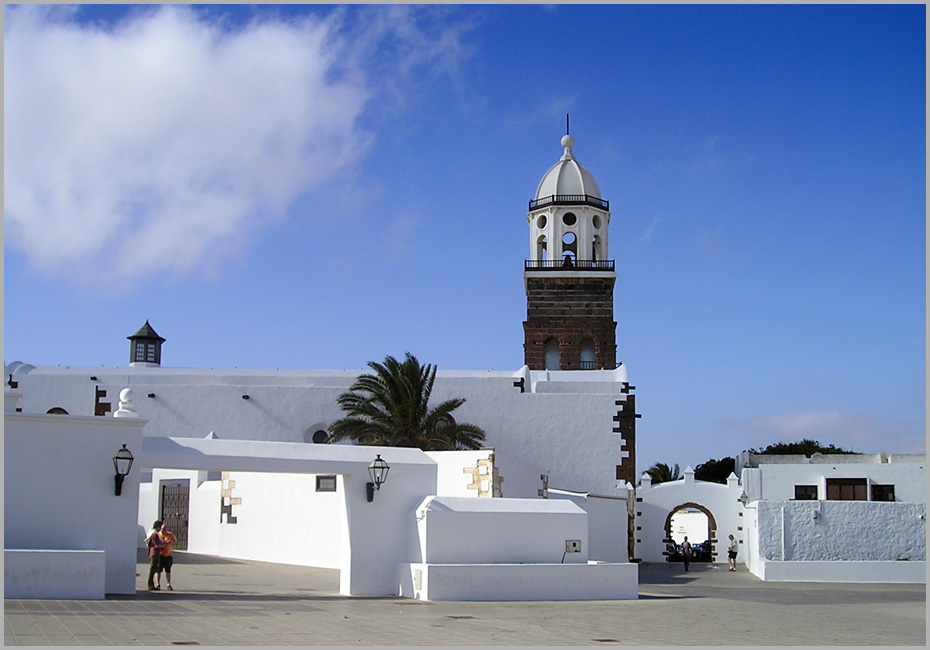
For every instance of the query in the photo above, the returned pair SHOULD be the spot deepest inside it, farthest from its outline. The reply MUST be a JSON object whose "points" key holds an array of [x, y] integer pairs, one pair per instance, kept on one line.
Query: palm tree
{"points": [[662, 473], [391, 408]]}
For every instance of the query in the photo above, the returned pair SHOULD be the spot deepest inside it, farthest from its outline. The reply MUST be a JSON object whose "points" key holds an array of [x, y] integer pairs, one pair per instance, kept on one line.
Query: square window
{"points": [[883, 493], [805, 492], [325, 483]]}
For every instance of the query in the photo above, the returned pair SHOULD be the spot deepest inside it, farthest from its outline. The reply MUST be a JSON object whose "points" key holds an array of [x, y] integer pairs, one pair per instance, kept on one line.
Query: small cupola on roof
{"points": [[568, 182], [145, 347]]}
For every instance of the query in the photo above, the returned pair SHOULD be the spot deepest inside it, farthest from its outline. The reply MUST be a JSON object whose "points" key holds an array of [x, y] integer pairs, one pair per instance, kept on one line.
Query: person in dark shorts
{"points": [[731, 554], [154, 544], [686, 551], [167, 559]]}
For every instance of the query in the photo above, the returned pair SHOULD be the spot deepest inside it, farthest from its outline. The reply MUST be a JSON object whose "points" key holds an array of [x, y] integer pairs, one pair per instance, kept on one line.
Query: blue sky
{"points": [[316, 187]]}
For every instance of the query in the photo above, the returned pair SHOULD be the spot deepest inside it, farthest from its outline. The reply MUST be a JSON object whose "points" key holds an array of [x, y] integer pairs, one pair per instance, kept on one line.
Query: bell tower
{"points": [[569, 278]]}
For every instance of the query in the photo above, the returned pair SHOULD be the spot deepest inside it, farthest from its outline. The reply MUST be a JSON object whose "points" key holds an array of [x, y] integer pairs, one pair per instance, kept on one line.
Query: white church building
{"points": [[237, 463]]}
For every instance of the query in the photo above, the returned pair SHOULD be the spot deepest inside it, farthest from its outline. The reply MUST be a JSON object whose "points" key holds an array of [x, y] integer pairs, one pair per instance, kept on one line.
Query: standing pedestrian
{"points": [[731, 554], [169, 540], [154, 544], [686, 552]]}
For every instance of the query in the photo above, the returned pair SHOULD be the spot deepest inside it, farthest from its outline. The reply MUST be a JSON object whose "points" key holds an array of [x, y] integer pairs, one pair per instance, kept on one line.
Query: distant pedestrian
{"points": [[686, 552], [169, 540], [731, 554], [154, 544]]}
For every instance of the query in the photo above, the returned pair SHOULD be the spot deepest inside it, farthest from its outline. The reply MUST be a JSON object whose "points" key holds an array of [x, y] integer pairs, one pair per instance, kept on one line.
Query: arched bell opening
{"points": [[588, 356], [551, 358]]}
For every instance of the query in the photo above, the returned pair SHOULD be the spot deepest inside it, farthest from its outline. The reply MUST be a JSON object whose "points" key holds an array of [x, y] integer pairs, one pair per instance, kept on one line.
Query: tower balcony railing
{"points": [[570, 199], [568, 263]]}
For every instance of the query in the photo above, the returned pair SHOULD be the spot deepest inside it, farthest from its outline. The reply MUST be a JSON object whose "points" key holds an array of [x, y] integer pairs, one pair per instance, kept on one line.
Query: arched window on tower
{"points": [[569, 248], [551, 355], [587, 354], [541, 252], [596, 248]]}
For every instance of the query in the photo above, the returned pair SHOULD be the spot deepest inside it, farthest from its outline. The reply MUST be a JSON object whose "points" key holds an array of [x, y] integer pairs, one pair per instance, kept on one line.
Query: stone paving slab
{"points": [[222, 602]]}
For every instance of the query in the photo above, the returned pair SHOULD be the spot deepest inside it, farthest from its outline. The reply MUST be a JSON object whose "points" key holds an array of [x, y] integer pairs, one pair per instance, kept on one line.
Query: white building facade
{"points": [[835, 518]]}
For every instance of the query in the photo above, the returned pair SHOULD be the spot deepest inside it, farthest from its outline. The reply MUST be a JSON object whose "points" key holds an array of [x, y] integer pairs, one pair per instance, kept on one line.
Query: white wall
{"points": [[59, 489], [497, 474], [282, 518], [375, 537], [913, 572], [841, 530], [454, 477], [562, 423], [524, 582], [693, 525], [54, 575], [607, 525], [462, 530]]}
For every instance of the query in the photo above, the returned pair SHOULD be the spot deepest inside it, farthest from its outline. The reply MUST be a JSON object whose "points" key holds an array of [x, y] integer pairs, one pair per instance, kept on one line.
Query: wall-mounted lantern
{"points": [[377, 472], [122, 463], [744, 498]]}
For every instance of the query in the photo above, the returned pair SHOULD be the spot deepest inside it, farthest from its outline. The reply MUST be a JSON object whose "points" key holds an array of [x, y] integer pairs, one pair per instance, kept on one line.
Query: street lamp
{"points": [[377, 471], [122, 463]]}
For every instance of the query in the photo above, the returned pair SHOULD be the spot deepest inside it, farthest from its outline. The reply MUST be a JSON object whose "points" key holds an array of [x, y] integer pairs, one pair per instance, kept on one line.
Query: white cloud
{"points": [[862, 433], [646, 236], [165, 141]]}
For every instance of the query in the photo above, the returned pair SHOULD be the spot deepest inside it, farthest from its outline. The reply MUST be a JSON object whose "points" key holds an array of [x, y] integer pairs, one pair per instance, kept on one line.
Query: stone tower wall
{"points": [[569, 309]]}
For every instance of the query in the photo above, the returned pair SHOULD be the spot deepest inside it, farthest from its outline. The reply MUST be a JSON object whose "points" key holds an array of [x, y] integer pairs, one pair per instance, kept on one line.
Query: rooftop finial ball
{"points": [[568, 141]]}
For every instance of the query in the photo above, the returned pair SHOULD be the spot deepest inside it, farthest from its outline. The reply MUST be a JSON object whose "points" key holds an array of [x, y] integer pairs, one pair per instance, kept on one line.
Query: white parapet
{"points": [[492, 582], [906, 572], [54, 574]]}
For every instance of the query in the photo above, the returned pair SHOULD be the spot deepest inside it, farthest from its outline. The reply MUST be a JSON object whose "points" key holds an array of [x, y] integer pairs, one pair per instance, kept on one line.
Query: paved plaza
{"points": [[220, 602]]}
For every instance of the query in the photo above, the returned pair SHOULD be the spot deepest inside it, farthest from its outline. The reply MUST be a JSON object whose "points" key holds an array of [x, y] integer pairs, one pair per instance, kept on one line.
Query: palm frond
{"points": [[390, 406]]}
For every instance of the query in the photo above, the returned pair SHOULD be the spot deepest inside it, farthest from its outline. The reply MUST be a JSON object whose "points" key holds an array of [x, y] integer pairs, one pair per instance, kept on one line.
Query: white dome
{"points": [[567, 176]]}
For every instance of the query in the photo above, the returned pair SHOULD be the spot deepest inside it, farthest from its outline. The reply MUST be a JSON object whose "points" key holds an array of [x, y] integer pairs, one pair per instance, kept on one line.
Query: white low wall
{"points": [[54, 574], [589, 581], [59, 490], [813, 531], [463, 530], [883, 572]]}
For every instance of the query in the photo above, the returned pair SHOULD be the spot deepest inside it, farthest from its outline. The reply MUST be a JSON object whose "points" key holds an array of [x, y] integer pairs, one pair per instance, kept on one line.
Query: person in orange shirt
{"points": [[166, 560]]}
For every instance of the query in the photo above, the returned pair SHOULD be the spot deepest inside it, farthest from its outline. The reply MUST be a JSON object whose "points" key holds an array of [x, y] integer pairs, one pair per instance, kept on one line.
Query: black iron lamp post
{"points": [[377, 472], [122, 463]]}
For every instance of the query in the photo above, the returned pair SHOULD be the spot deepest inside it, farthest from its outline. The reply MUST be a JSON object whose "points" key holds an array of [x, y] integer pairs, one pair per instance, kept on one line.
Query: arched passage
{"points": [[551, 357], [711, 527]]}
